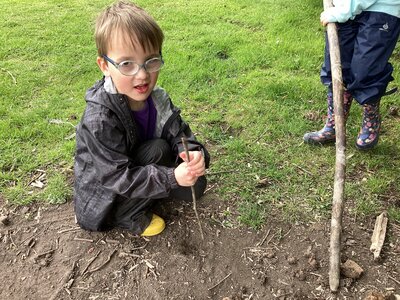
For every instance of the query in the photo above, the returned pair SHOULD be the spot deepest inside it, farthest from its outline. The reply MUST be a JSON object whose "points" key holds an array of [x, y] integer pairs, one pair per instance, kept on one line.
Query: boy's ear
{"points": [[102, 63]]}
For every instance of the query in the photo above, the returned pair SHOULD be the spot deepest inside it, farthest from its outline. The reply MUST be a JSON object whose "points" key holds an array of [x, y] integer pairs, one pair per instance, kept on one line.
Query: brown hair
{"points": [[126, 18]]}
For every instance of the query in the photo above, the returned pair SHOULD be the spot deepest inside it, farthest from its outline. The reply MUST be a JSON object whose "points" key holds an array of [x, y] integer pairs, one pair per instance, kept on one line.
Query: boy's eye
{"points": [[126, 64]]}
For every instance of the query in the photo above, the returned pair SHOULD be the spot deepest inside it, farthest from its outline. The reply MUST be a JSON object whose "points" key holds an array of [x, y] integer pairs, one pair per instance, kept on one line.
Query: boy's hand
{"points": [[186, 173]]}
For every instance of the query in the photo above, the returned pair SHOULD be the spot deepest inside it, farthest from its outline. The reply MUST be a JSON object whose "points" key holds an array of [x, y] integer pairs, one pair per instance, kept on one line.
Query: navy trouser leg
{"points": [[135, 215], [376, 40], [347, 34], [366, 44]]}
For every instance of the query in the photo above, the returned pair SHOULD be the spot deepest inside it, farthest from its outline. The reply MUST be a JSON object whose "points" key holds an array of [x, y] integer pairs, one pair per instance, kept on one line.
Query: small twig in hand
{"points": [[218, 283], [185, 146]]}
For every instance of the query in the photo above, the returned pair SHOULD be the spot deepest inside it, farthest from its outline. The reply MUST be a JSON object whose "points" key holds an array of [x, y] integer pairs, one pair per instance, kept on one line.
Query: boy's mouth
{"points": [[142, 88]]}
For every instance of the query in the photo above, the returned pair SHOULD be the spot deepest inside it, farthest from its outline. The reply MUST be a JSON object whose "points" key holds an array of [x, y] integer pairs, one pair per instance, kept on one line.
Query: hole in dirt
{"points": [[186, 248]]}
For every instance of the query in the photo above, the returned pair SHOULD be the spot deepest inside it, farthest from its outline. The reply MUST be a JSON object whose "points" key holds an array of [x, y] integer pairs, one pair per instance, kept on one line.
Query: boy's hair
{"points": [[126, 18]]}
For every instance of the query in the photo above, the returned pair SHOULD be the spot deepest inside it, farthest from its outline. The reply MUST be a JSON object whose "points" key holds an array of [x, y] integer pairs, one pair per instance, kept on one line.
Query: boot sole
{"points": [[367, 147]]}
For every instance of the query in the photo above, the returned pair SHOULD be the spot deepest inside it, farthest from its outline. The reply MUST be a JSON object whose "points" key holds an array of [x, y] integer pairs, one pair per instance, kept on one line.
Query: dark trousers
{"points": [[136, 215], [366, 44]]}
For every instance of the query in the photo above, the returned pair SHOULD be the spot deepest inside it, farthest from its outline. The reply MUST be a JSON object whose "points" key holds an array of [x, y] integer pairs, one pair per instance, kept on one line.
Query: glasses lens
{"points": [[153, 64], [128, 67]]}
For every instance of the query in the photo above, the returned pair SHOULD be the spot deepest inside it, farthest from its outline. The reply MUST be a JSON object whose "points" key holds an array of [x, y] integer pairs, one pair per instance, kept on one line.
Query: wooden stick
{"points": [[379, 234], [89, 272], [340, 165], [185, 146], [68, 276], [219, 282]]}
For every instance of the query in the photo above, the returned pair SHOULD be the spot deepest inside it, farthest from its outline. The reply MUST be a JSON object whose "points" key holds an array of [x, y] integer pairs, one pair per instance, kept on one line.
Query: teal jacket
{"points": [[344, 10]]}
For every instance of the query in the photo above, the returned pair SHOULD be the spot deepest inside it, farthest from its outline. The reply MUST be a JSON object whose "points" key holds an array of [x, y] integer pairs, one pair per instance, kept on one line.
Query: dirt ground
{"points": [[44, 255]]}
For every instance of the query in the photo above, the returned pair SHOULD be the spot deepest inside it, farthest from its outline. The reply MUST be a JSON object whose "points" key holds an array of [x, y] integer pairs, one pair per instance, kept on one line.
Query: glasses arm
{"points": [[110, 61]]}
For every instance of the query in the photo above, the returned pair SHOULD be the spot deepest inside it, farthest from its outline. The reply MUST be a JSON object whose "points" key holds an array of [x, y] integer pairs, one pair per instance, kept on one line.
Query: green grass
{"points": [[245, 74]]}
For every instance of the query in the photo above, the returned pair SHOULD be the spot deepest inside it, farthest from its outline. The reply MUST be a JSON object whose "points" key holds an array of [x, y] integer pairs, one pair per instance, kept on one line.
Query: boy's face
{"points": [[139, 86]]}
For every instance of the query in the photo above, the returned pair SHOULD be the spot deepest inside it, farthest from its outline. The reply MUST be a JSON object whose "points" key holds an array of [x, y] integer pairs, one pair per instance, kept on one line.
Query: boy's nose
{"points": [[142, 72]]}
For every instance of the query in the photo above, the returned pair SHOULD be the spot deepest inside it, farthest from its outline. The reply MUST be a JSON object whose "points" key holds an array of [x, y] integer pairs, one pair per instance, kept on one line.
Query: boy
{"points": [[129, 152], [368, 32]]}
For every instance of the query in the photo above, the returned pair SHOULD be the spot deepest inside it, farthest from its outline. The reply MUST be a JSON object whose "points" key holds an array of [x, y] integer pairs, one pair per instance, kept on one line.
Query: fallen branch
{"points": [[185, 146]]}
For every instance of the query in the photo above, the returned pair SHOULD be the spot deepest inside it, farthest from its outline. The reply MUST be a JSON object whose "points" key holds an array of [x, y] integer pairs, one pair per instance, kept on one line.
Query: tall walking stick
{"points": [[340, 165]]}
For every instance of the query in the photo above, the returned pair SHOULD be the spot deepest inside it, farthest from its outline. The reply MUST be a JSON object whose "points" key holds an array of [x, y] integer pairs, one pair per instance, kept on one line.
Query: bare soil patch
{"points": [[43, 255]]}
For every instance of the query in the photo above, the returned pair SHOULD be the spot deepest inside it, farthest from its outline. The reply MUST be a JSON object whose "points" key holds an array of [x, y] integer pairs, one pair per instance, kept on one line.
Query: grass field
{"points": [[246, 76]]}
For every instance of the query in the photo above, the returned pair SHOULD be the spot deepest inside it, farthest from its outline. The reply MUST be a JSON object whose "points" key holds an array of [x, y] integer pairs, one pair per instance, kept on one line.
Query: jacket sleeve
{"points": [[107, 151], [344, 10]]}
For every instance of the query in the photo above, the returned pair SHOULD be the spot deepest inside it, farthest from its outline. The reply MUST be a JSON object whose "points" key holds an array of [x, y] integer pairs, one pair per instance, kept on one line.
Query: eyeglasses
{"points": [[130, 68]]}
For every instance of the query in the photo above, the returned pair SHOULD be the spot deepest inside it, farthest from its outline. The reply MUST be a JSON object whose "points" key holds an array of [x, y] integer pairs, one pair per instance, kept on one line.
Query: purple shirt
{"points": [[145, 120]]}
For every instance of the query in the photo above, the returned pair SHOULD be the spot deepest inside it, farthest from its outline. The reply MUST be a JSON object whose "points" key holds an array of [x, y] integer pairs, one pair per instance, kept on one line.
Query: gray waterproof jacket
{"points": [[106, 139]]}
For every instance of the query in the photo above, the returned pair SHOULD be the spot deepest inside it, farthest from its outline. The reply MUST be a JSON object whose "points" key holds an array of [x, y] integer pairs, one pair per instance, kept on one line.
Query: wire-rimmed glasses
{"points": [[131, 68]]}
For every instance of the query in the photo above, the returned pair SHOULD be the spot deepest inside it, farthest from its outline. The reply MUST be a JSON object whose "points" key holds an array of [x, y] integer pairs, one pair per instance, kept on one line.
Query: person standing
{"points": [[368, 31]]}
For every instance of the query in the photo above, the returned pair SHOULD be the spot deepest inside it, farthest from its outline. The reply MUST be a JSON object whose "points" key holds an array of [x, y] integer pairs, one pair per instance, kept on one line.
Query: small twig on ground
{"points": [[28, 238], [285, 234], [302, 169], [219, 282], [209, 188], [44, 253], [398, 282], [260, 136], [112, 241], [103, 264], [185, 146], [270, 239], [83, 240], [125, 254], [12, 241], [397, 227], [67, 277], [90, 262], [265, 237], [69, 229], [141, 247], [221, 172]]}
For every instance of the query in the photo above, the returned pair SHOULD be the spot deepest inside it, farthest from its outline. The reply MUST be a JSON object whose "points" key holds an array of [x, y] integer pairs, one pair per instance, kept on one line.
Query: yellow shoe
{"points": [[155, 227]]}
